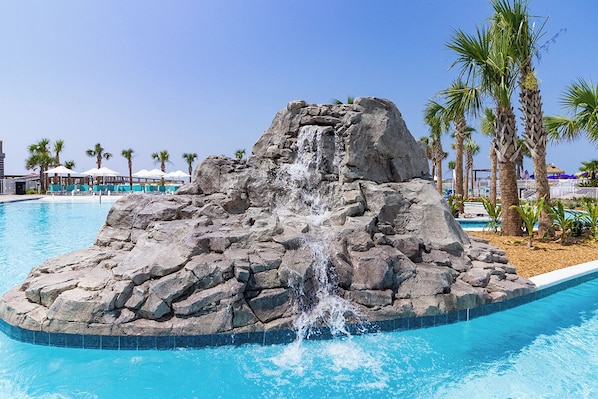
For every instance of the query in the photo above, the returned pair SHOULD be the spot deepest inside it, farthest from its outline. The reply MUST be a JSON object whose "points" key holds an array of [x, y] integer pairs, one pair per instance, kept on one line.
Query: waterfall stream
{"points": [[319, 302]]}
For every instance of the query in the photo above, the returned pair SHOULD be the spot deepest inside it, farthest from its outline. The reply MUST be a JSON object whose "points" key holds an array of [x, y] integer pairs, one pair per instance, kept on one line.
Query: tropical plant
{"points": [[591, 168], [563, 220], [455, 202], [40, 157], [486, 62], [239, 154], [437, 121], [350, 100], [580, 100], [128, 155], [494, 212], [69, 165], [58, 147], [98, 153], [189, 159], [471, 149], [590, 218], [529, 214], [487, 128], [460, 100], [525, 36], [161, 157]]}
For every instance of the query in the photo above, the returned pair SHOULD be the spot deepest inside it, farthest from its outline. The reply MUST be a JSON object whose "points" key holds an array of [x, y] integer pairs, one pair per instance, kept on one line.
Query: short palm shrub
{"points": [[493, 212], [562, 220], [529, 214], [455, 203], [590, 218]]}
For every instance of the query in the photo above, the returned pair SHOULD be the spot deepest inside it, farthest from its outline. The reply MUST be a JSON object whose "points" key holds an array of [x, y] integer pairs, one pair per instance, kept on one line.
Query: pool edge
{"points": [[546, 284]]}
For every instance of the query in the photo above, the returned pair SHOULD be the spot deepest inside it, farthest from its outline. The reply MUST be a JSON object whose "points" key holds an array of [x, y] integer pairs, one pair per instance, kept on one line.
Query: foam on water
{"points": [[304, 177]]}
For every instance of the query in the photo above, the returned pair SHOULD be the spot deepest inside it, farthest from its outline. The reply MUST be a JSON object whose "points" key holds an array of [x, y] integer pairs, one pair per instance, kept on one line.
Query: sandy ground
{"points": [[545, 256]]}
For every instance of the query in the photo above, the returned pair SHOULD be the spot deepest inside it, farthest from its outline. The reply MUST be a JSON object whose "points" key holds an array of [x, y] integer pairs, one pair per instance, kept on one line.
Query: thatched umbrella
{"points": [[554, 170]]}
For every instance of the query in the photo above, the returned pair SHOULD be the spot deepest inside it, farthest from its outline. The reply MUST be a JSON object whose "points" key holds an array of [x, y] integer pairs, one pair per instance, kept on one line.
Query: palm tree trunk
{"points": [[493, 167], [507, 153], [535, 138], [438, 155], [460, 127]]}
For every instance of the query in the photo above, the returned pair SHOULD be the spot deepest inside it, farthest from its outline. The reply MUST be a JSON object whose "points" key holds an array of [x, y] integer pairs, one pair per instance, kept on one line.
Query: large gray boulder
{"points": [[333, 210]]}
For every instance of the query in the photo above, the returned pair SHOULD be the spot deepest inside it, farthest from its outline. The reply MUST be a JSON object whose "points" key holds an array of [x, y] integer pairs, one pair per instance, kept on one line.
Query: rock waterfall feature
{"points": [[332, 221]]}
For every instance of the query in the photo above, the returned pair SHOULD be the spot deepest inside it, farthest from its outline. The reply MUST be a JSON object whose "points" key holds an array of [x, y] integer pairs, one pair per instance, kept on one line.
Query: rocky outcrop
{"points": [[333, 207]]}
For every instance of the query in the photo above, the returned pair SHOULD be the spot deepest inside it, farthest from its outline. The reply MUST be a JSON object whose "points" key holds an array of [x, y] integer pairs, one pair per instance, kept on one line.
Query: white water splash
{"points": [[323, 307]]}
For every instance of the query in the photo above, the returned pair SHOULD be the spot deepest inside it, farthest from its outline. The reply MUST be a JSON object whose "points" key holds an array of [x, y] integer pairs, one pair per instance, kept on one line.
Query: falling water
{"points": [[319, 303]]}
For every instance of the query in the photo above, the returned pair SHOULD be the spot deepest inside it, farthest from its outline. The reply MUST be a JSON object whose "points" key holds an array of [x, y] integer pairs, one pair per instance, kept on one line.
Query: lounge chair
{"points": [[55, 189]]}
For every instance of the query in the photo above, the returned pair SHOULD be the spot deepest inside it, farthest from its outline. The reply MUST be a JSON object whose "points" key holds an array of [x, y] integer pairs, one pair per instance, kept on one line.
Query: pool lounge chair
{"points": [[55, 189]]}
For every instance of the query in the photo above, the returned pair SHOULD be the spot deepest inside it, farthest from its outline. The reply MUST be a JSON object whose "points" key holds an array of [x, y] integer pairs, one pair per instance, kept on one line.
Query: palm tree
{"points": [[471, 149], [190, 158], [69, 165], [460, 100], [98, 152], [40, 156], [580, 99], [428, 142], [161, 157], [525, 36], [128, 154], [58, 147], [486, 62], [435, 118], [487, 128], [591, 168]]}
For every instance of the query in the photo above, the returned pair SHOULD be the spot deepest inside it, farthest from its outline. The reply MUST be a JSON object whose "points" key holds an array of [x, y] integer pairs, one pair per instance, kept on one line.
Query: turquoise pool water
{"points": [[548, 348]]}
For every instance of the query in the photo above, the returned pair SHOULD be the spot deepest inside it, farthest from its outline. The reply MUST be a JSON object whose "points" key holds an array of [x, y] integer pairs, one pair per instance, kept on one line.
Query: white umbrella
{"points": [[61, 170], [142, 174], [177, 175], [155, 174], [103, 171]]}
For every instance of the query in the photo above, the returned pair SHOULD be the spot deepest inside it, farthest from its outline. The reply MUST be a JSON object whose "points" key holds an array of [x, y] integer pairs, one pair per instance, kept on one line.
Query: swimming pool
{"points": [[547, 348]]}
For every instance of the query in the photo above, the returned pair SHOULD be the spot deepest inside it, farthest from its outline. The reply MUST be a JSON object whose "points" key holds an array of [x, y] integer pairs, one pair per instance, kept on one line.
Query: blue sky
{"points": [[208, 76]]}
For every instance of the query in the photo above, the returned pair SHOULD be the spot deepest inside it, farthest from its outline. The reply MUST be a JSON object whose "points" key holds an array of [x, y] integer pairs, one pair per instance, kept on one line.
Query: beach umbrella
{"points": [[100, 172], [142, 174], [554, 170], [155, 174], [61, 171], [177, 175], [103, 171]]}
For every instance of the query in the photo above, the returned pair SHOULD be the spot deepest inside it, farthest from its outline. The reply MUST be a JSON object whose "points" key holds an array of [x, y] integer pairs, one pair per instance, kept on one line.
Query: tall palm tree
{"points": [[99, 153], [487, 128], [189, 159], [428, 142], [128, 154], [69, 165], [525, 36], [161, 157], [471, 149], [58, 147], [486, 62], [435, 118], [460, 100], [40, 156]]}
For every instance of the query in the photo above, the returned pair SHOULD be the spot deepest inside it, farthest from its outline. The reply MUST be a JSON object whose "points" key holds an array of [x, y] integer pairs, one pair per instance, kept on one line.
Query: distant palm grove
{"points": [[495, 61], [44, 154]]}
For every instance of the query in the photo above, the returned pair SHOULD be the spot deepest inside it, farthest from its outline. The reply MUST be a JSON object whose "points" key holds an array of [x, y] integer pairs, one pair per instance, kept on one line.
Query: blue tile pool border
{"points": [[169, 342]]}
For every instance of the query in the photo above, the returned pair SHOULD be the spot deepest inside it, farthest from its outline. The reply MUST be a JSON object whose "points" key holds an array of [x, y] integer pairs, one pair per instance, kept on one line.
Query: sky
{"points": [[208, 76]]}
